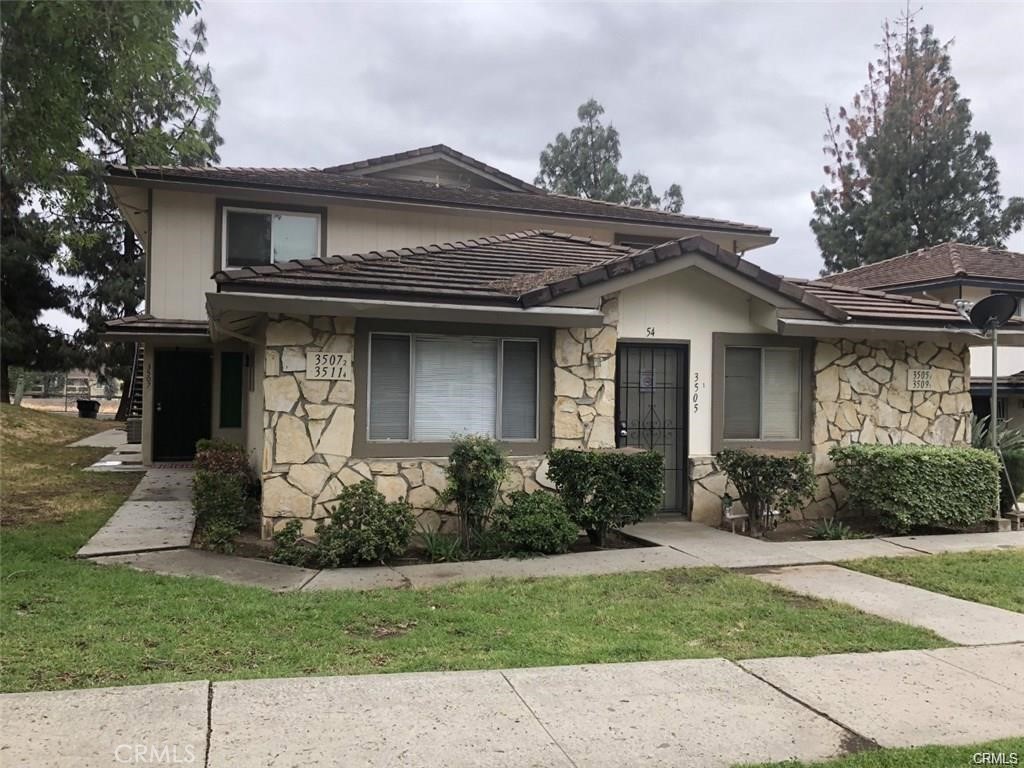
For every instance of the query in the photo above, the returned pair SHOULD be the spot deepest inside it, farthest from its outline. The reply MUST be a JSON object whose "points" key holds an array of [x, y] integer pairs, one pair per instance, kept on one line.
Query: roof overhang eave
{"points": [[860, 330], [552, 317], [756, 237]]}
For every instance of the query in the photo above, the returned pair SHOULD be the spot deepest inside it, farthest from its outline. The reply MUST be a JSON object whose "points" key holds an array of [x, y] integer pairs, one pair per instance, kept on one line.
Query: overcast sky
{"points": [[726, 99]]}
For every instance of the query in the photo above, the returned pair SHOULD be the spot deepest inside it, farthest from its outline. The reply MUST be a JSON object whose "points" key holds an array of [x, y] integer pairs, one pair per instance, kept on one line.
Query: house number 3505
{"points": [[696, 391]]}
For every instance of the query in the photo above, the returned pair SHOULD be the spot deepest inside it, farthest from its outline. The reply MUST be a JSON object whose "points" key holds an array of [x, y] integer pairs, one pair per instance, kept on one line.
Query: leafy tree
{"points": [[91, 83], [27, 249], [586, 164], [905, 168]]}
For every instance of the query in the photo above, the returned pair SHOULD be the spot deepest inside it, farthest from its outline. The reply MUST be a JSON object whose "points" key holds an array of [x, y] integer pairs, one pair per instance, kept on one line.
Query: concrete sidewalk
{"points": [[700, 713], [960, 621]]}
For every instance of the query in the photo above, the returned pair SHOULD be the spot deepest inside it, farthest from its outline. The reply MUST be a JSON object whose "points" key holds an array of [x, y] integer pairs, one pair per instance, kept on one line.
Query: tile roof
{"points": [[489, 270], [533, 268], [337, 184], [437, 149], [941, 263]]}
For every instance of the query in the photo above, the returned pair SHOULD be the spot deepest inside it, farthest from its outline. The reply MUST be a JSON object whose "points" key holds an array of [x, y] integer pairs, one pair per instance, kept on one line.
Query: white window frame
{"points": [[500, 374], [269, 211], [760, 394]]}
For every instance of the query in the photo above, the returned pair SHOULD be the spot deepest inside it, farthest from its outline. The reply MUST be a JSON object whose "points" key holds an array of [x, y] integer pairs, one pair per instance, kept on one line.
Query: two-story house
{"points": [[953, 271], [344, 323]]}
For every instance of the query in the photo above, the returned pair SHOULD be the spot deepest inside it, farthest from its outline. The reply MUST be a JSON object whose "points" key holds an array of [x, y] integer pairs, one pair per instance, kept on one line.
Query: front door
{"points": [[182, 383], [651, 411]]}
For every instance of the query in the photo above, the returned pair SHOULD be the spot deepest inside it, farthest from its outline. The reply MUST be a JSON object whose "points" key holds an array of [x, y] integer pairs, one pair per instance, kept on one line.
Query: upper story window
{"points": [[254, 236]]}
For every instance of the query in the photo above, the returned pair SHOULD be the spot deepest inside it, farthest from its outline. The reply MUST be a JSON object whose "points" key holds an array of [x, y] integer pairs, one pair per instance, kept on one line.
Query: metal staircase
{"points": [[134, 395]]}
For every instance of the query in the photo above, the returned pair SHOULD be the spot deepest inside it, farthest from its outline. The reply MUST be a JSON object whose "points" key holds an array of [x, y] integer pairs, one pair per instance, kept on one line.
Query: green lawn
{"points": [[71, 624], [996, 578], [923, 757]]}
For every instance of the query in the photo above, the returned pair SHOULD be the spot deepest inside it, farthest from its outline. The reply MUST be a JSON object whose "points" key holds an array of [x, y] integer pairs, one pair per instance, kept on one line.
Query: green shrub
{"points": [[1008, 438], [1013, 462], [603, 490], [219, 535], [442, 547], [831, 529], [535, 522], [218, 496], [476, 469], [221, 507], [364, 528], [225, 458], [289, 546], [909, 486], [768, 483]]}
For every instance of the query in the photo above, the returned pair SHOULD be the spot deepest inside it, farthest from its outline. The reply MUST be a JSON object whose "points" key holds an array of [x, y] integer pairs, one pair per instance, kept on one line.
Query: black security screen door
{"points": [[651, 411]]}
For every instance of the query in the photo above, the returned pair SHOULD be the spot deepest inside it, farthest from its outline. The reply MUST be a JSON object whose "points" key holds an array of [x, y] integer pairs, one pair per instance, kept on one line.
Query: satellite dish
{"points": [[993, 311]]}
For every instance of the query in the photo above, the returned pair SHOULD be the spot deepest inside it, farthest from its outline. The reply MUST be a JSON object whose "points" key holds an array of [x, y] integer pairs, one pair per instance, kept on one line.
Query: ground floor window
{"points": [[762, 393], [427, 388]]}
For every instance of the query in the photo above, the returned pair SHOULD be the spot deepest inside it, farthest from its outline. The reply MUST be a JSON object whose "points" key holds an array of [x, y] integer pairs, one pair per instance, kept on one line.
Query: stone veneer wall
{"points": [[585, 383], [861, 396], [308, 425]]}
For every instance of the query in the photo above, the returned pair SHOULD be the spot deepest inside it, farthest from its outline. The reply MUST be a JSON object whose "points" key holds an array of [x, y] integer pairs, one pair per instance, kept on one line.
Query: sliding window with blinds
{"points": [[428, 388], [762, 393]]}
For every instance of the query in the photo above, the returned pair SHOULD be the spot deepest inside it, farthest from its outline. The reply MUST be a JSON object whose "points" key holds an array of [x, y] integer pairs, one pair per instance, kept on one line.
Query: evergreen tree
{"points": [[86, 84], [905, 168], [586, 164]]}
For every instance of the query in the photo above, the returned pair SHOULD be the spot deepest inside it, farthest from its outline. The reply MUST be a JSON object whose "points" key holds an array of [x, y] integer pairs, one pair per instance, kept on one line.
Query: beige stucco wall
{"points": [[184, 225], [689, 306]]}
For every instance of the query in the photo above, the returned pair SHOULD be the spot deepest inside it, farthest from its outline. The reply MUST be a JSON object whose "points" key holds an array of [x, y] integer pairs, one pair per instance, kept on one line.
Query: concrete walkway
{"points": [[696, 713], [153, 529], [158, 515], [960, 621], [123, 456]]}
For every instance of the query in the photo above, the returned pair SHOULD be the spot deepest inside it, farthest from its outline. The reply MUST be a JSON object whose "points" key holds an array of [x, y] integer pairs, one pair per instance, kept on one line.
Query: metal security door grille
{"points": [[651, 411]]}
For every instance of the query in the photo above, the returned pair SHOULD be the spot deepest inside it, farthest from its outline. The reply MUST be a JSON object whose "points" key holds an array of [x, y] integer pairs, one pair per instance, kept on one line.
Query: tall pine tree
{"points": [[905, 168], [586, 164]]}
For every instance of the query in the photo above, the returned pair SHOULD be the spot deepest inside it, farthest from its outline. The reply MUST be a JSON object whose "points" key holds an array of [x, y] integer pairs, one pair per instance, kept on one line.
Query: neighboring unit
{"points": [[954, 271], [344, 323]]}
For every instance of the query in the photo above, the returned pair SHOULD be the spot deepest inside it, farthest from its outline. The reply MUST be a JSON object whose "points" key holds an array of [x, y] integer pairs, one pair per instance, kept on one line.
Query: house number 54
{"points": [[650, 331]]}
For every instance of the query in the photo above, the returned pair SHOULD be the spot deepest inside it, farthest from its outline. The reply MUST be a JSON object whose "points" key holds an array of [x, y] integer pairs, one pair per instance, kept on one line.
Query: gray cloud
{"points": [[725, 99]]}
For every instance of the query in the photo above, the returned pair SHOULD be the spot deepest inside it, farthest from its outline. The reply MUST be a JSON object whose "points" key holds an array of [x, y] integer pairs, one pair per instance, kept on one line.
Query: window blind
{"points": [[519, 390], [295, 237], [742, 405], [389, 387], [781, 394], [456, 387]]}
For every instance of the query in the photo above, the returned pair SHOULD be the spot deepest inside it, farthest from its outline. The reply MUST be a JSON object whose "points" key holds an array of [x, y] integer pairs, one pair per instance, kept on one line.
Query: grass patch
{"points": [[920, 757], [995, 578], [42, 479], [71, 624]]}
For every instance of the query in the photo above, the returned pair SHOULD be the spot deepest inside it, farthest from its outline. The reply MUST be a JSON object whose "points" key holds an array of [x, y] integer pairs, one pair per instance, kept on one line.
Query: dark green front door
{"points": [[182, 383]]}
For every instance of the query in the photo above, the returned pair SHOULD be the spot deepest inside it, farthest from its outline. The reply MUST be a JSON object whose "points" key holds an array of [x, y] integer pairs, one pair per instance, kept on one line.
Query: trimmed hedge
{"points": [[766, 483], [603, 490], [910, 486], [535, 522]]}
